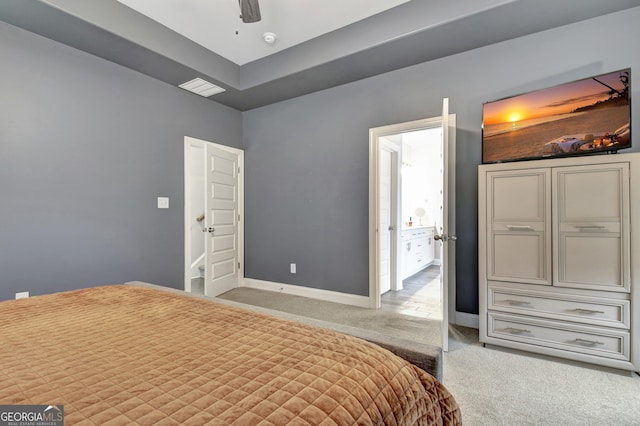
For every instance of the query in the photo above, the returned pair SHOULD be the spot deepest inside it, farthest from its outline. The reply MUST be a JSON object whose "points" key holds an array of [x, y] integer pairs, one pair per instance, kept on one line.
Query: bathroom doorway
{"points": [[418, 292], [405, 247]]}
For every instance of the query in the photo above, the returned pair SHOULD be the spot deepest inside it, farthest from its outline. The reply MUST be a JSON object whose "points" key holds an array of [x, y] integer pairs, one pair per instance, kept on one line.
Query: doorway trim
{"points": [[374, 145], [190, 142], [377, 144]]}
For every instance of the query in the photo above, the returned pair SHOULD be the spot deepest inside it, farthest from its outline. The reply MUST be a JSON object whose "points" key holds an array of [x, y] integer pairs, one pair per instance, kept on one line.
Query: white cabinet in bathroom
{"points": [[417, 250]]}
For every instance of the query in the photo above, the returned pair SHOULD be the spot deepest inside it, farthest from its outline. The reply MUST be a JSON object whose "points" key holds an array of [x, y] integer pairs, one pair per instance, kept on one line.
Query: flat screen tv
{"points": [[587, 116]]}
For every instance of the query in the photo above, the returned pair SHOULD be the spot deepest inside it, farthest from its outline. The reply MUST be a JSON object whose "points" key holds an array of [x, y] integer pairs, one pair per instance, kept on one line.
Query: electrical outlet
{"points": [[163, 202], [22, 295], [292, 268]]}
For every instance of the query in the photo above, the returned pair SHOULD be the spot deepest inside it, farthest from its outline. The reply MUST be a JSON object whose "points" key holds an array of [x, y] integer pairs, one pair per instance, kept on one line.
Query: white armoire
{"points": [[559, 257]]}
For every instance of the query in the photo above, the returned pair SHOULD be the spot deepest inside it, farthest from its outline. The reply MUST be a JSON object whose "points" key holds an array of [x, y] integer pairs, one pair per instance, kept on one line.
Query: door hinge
{"points": [[238, 170], [238, 218], [238, 265]]}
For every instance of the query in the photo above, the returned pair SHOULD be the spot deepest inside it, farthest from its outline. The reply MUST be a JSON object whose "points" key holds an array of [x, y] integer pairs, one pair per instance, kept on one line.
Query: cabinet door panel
{"points": [[430, 249], [590, 260], [518, 212], [519, 257], [518, 196], [591, 234], [405, 260], [589, 195]]}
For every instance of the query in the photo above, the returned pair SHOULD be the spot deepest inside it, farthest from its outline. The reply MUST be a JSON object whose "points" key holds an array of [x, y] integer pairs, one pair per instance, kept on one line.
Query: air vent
{"points": [[201, 87]]}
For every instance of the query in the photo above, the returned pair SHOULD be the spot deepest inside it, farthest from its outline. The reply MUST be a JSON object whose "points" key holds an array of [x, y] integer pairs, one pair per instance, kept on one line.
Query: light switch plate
{"points": [[163, 202]]}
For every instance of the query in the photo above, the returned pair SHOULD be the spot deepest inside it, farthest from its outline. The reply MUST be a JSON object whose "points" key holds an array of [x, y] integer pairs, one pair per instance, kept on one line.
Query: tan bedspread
{"points": [[119, 355]]}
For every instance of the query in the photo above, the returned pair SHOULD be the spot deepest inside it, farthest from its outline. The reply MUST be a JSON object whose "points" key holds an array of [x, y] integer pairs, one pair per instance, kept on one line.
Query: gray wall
{"points": [[307, 158], [86, 146]]}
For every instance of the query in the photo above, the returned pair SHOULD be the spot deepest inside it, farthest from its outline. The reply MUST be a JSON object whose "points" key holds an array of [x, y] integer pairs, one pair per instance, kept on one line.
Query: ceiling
{"points": [[216, 24], [410, 33]]}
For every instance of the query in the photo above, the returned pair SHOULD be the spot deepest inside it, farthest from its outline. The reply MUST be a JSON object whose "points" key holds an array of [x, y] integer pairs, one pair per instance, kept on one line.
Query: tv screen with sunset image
{"points": [[582, 117]]}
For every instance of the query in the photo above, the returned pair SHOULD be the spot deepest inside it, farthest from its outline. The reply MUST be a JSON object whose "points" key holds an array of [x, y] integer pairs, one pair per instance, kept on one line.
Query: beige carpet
{"points": [[502, 387], [406, 326], [492, 386]]}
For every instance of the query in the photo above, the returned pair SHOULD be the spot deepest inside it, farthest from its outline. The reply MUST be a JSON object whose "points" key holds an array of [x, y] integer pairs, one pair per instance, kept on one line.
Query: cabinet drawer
{"points": [[420, 243], [410, 234], [553, 334], [582, 309]]}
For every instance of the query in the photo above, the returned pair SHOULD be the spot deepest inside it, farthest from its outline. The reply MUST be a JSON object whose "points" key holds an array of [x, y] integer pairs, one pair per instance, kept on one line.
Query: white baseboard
{"points": [[467, 320], [313, 293]]}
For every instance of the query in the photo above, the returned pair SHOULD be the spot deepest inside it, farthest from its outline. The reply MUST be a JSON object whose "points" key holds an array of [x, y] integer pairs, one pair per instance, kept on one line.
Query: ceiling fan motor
{"points": [[249, 11]]}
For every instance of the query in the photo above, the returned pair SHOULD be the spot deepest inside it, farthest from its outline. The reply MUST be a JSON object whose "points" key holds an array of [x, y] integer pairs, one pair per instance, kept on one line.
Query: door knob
{"points": [[445, 237]]}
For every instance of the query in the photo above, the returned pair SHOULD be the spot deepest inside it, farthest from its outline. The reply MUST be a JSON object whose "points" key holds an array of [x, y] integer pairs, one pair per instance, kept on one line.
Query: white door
{"points": [[221, 227], [385, 226], [446, 233]]}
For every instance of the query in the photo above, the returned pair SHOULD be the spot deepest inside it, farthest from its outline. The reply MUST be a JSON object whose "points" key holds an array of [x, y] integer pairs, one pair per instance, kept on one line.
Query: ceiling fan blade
{"points": [[250, 11]]}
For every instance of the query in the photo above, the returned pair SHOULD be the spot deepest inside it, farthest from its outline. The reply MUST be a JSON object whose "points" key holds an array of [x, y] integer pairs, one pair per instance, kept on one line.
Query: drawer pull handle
{"points": [[517, 330], [590, 227], [517, 302], [519, 228], [587, 311], [588, 342]]}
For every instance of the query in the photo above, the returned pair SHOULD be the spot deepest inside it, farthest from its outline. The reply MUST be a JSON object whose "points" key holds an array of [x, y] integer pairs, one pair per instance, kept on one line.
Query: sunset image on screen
{"points": [[557, 119]]}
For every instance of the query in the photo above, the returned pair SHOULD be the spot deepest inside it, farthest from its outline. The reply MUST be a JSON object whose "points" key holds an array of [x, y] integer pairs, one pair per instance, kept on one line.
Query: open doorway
{"points": [[432, 218], [418, 292]]}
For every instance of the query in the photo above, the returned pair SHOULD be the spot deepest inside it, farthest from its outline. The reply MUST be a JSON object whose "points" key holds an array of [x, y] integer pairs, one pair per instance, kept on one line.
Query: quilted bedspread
{"points": [[119, 355]]}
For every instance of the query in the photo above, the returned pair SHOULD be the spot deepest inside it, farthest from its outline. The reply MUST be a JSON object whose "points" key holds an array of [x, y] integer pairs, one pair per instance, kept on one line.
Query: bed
{"points": [[125, 354]]}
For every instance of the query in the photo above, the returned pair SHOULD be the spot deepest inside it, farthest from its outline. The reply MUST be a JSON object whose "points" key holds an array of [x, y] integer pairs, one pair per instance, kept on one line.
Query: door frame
{"points": [[374, 146], [200, 143], [395, 149]]}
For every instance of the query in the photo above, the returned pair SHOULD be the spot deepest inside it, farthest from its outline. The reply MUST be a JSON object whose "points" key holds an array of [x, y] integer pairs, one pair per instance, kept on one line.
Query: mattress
{"points": [[132, 355]]}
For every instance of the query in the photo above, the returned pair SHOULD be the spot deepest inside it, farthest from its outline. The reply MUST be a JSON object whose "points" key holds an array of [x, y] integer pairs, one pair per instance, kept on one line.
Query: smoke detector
{"points": [[269, 38]]}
